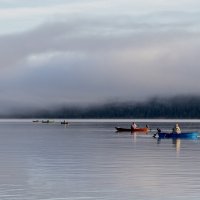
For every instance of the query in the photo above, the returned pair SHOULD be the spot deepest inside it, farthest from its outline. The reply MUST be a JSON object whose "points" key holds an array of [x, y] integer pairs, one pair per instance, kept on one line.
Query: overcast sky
{"points": [[80, 51]]}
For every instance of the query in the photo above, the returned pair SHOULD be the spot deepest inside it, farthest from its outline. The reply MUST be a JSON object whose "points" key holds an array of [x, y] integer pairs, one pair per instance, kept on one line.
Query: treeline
{"points": [[177, 107]]}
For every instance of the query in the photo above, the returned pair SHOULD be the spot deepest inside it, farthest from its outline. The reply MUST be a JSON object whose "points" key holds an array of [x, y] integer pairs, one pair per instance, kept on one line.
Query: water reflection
{"points": [[177, 144], [134, 136], [88, 161]]}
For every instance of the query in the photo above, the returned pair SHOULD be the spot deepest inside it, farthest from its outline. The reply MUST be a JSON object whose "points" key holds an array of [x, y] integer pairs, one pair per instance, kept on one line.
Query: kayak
{"points": [[64, 122], [185, 135], [133, 130]]}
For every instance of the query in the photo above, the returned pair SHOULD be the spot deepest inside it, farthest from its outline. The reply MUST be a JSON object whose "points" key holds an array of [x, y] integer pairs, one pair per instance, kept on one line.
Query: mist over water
{"points": [[88, 160], [96, 51], [180, 106]]}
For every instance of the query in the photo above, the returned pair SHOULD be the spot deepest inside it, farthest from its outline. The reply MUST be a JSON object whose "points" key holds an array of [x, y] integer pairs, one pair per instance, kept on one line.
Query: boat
{"points": [[184, 135], [47, 121], [64, 122], [123, 129], [119, 129]]}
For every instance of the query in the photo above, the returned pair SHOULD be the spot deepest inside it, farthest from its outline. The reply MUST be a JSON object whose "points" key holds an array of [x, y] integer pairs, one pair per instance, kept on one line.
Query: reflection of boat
{"points": [[186, 135], [119, 129]]}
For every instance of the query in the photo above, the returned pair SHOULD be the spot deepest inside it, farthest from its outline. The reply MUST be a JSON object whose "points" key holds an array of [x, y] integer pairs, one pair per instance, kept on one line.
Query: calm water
{"points": [[88, 160]]}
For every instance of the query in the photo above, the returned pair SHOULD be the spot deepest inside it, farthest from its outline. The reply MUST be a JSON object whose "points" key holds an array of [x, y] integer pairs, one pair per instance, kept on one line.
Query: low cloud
{"points": [[83, 60]]}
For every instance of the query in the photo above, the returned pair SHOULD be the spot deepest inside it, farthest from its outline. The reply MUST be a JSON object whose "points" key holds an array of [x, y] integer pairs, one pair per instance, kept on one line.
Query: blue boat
{"points": [[184, 135]]}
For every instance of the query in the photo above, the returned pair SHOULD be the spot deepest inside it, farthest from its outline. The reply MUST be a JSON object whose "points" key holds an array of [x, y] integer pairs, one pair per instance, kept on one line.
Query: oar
{"points": [[154, 135], [157, 132], [148, 127]]}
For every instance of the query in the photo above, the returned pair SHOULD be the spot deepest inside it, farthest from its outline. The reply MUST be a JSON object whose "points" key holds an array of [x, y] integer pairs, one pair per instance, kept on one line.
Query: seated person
{"points": [[176, 129], [133, 126]]}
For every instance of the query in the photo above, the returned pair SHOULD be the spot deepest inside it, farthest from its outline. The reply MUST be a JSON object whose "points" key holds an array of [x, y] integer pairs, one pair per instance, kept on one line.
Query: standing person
{"points": [[176, 129], [133, 126]]}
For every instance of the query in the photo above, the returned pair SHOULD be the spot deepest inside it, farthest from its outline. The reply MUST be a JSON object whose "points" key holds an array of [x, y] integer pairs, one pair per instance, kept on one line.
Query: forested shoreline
{"points": [[177, 107]]}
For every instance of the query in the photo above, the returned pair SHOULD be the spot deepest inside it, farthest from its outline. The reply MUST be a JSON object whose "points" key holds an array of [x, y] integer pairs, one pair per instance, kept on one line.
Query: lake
{"points": [[88, 160]]}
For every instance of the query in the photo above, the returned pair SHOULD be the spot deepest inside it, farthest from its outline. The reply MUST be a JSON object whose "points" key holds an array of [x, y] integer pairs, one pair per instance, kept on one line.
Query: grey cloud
{"points": [[82, 35], [84, 60]]}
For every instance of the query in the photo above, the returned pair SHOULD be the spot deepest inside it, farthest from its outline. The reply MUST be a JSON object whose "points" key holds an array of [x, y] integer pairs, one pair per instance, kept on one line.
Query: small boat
{"points": [[64, 122], [47, 121], [35, 121], [119, 129], [184, 135]]}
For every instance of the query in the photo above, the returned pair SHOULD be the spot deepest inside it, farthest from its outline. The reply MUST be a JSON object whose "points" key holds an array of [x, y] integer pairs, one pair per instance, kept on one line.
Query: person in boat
{"points": [[176, 129], [133, 126]]}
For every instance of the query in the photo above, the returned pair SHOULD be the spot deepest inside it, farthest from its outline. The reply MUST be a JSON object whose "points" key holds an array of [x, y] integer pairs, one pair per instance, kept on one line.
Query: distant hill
{"points": [[176, 107]]}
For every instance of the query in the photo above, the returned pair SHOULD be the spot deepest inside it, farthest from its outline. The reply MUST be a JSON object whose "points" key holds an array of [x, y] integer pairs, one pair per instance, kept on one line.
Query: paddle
{"points": [[148, 127], [159, 130]]}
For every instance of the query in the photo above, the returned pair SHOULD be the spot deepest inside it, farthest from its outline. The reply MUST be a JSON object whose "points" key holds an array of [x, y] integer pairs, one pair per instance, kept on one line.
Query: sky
{"points": [[93, 51]]}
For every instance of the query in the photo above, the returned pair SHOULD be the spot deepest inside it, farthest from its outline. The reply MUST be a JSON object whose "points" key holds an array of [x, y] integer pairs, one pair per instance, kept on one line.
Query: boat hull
{"points": [[186, 135], [64, 122], [47, 121], [131, 130]]}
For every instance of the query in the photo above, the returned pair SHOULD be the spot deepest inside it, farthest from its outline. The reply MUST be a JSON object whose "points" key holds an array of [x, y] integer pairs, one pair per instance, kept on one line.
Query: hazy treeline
{"points": [[176, 107]]}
